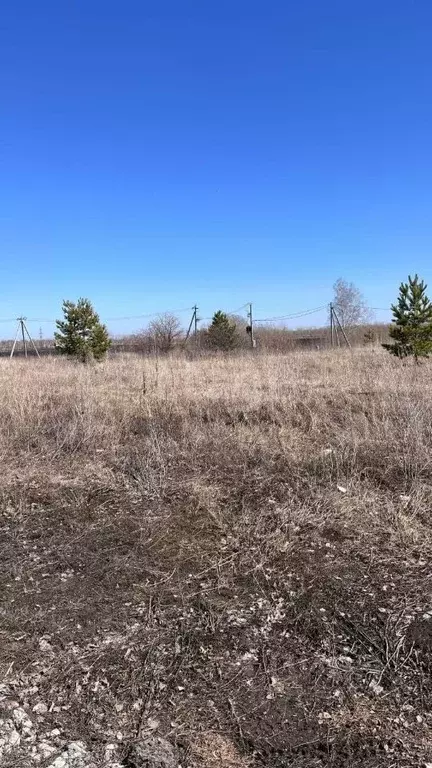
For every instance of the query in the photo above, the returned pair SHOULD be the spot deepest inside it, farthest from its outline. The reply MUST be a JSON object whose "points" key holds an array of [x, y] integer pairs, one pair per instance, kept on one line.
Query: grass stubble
{"points": [[231, 553]]}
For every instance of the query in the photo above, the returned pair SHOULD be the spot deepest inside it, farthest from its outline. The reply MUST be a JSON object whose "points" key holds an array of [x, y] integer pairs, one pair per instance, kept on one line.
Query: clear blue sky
{"points": [[158, 153]]}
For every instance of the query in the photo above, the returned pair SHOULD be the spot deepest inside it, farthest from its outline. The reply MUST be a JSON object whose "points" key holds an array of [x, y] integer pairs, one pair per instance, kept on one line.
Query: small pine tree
{"points": [[222, 333], [411, 327], [81, 334]]}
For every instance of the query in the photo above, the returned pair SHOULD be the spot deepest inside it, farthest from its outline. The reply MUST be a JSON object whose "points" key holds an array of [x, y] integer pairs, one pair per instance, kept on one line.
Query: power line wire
{"points": [[150, 314], [228, 312], [292, 316], [107, 319], [233, 311], [303, 313]]}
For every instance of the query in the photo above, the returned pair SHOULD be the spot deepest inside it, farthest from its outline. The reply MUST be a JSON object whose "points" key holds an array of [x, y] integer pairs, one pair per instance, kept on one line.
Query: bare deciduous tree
{"points": [[350, 304], [164, 330]]}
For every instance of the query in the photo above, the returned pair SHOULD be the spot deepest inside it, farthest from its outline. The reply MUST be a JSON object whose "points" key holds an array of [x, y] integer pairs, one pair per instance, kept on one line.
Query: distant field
{"points": [[231, 553]]}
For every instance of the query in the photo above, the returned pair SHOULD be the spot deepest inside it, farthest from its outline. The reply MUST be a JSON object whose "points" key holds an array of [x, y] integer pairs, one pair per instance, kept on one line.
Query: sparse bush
{"points": [[164, 331], [369, 337]]}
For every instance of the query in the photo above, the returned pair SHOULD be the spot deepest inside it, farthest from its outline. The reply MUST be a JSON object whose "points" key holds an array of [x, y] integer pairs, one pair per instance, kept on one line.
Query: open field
{"points": [[231, 553]]}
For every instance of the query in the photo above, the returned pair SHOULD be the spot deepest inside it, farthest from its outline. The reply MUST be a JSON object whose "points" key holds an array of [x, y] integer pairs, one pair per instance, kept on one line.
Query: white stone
{"points": [[44, 645], [9, 737], [13, 739], [20, 717], [376, 687], [110, 751], [74, 756], [46, 750], [77, 753], [60, 762]]}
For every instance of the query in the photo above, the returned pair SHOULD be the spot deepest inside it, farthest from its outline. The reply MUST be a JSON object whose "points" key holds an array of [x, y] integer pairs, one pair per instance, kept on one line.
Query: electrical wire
{"points": [[107, 319], [303, 313], [151, 314], [39, 320], [233, 311], [294, 315]]}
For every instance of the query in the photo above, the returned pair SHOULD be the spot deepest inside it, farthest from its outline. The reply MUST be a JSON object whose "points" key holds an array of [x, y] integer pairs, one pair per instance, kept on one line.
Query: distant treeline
{"points": [[270, 338]]}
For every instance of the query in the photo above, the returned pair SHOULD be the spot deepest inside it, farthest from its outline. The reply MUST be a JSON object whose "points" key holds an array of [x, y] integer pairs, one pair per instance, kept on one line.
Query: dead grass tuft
{"points": [[211, 750]]}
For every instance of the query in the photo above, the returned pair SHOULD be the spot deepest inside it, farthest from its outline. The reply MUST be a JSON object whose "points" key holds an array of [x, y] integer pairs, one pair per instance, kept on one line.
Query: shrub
{"points": [[81, 334]]}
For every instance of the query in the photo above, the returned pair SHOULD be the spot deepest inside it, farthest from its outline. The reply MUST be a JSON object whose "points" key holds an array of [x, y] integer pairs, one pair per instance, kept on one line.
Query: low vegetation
{"points": [[222, 333], [230, 553], [80, 334]]}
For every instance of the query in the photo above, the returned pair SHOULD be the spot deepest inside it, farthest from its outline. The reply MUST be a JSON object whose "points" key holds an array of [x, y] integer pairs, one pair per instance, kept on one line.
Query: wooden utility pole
{"points": [[193, 323], [195, 318], [24, 340], [341, 328], [336, 334], [15, 340], [331, 325], [190, 325], [250, 327], [25, 335]]}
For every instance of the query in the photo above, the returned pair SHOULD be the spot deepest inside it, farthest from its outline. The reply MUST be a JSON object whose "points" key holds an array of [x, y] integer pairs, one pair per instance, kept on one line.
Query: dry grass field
{"points": [[230, 553]]}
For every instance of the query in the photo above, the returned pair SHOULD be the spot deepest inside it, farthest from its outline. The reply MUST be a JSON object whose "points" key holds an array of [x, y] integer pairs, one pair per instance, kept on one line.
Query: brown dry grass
{"points": [[177, 554]]}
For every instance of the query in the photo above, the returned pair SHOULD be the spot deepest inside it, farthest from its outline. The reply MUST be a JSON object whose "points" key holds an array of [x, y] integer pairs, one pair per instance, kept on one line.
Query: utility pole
{"points": [[15, 340], [193, 323], [336, 334], [190, 325], [331, 325], [24, 340], [24, 332], [341, 328], [195, 320], [250, 327]]}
